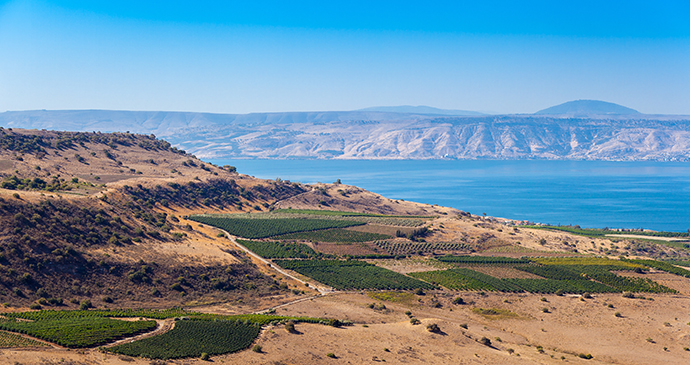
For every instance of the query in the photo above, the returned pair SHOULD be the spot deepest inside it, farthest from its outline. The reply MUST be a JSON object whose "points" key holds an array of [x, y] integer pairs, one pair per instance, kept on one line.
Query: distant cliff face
{"points": [[455, 138], [380, 135]]}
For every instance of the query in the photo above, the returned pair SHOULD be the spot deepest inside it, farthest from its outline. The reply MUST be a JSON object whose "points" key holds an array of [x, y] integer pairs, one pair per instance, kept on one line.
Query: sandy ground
{"points": [[647, 332]]}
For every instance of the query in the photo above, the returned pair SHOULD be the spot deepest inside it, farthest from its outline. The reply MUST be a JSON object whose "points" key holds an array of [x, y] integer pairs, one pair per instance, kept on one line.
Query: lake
{"points": [[596, 194]]}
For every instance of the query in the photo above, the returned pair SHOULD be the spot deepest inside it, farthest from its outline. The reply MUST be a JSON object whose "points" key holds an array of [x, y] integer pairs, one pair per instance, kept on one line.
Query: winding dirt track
{"points": [[321, 288]]}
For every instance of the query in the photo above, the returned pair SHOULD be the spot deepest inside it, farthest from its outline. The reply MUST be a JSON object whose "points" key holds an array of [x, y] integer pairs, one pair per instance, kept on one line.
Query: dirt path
{"points": [[164, 325], [322, 289]]}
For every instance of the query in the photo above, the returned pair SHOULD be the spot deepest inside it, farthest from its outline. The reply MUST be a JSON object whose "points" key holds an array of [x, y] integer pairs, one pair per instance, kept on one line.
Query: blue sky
{"points": [[257, 56]]}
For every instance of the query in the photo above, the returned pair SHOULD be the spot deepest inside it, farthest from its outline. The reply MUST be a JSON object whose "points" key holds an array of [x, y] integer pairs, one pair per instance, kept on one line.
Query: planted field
{"points": [[279, 250], [8, 340], [482, 260], [262, 228], [413, 248], [191, 338], [400, 221], [353, 275], [333, 235], [588, 261], [346, 214], [43, 315], [79, 332]]}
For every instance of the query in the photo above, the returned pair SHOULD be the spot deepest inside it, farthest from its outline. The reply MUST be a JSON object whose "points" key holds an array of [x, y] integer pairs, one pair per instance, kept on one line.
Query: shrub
{"points": [[257, 348], [485, 341], [35, 306], [585, 356], [618, 314], [415, 321], [458, 300], [628, 295], [419, 291], [290, 326], [204, 356], [587, 295], [559, 292], [331, 355], [85, 304], [433, 327], [545, 310], [464, 325]]}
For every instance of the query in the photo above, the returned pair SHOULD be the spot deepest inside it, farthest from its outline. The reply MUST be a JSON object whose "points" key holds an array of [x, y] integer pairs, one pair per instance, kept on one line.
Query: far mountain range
{"points": [[581, 130]]}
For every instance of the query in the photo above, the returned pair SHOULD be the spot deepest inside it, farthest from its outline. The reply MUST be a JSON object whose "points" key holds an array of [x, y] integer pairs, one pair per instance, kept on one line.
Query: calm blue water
{"points": [[652, 195]]}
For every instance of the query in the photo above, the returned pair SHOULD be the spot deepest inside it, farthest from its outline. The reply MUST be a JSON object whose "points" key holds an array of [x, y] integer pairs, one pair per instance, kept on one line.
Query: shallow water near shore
{"points": [[597, 194]]}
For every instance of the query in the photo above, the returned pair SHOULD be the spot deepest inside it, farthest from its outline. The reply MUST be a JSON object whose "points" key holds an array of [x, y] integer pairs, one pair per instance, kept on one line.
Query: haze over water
{"points": [[597, 194]]}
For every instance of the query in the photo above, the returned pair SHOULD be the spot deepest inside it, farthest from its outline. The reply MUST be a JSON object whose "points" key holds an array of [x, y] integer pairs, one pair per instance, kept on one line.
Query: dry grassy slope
{"points": [[86, 239]]}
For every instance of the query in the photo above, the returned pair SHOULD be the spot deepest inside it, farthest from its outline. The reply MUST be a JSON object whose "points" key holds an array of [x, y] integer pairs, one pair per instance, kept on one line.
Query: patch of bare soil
{"points": [[406, 266], [501, 272]]}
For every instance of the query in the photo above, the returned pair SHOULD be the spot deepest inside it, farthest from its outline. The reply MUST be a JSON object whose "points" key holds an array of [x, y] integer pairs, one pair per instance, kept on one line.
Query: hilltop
{"points": [[113, 222], [588, 107]]}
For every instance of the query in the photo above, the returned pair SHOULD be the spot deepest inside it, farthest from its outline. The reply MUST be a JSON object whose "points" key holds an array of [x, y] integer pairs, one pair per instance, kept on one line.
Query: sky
{"points": [[272, 56]]}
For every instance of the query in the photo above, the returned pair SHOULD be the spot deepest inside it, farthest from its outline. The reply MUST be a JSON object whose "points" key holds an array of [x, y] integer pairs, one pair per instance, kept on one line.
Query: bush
{"points": [[257, 348], [415, 321], [331, 355], [35, 306], [458, 300], [587, 295], [204, 356], [290, 326], [585, 356], [485, 341], [628, 295], [433, 327], [85, 304]]}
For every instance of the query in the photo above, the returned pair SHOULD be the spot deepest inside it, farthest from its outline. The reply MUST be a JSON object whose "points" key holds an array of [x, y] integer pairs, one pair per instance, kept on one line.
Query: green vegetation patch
{"points": [[334, 235], [494, 313], [280, 250], [588, 261], [9, 340], [348, 214], [393, 296], [79, 332], [482, 260], [191, 338], [353, 274], [466, 279], [262, 228]]}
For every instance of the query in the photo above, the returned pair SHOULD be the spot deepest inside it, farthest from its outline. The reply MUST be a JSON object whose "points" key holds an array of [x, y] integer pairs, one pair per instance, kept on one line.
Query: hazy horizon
{"points": [[496, 57]]}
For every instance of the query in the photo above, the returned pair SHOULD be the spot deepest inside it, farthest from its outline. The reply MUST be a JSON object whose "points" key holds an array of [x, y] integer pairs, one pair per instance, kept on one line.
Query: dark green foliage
{"points": [[334, 235], [346, 214], [262, 228], [482, 260], [78, 332], [352, 274], [465, 279], [191, 338], [276, 250]]}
